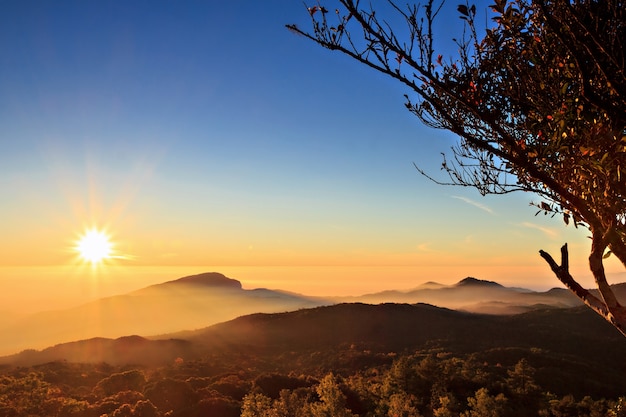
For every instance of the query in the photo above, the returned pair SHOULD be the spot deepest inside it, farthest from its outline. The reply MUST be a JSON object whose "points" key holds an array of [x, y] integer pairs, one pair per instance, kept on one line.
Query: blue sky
{"points": [[206, 133]]}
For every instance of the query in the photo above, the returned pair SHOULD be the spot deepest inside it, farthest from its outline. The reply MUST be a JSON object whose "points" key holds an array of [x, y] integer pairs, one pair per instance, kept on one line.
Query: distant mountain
{"points": [[207, 279], [477, 283], [201, 300], [430, 285], [189, 303], [475, 295]]}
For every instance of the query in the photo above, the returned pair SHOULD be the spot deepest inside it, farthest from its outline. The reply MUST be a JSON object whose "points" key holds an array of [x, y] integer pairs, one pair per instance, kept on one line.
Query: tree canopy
{"points": [[537, 97]]}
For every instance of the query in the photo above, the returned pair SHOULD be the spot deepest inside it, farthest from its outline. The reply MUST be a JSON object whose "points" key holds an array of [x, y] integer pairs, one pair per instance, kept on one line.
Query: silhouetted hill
{"points": [[430, 285], [191, 302], [393, 327], [383, 327], [207, 279], [565, 362], [477, 283], [567, 342], [201, 300]]}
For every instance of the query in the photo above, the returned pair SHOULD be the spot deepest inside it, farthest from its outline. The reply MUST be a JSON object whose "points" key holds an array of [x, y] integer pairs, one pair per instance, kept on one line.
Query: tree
{"points": [[484, 405], [447, 407], [537, 98], [402, 405], [521, 378], [257, 405], [171, 395], [332, 399], [24, 395], [133, 380]]}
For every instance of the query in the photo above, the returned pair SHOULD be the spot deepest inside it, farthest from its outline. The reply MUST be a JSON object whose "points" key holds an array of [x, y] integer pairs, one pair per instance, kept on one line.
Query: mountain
{"points": [[348, 337], [430, 285], [210, 279], [201, 300], [190, 302], [572, 346], [392, 327], [476, 295], [477, 283]]}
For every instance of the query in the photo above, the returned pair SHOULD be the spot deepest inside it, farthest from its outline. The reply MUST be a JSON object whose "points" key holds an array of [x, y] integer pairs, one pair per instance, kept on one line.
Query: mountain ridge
{"points": [[196, 301], [475, 282], [187, 303], [474, 295], [207, 279], [381, 328]]}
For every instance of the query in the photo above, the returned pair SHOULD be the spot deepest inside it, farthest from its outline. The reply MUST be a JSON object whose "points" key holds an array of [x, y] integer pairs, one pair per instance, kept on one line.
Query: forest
{"points": [[431, 383], [394, 371]]}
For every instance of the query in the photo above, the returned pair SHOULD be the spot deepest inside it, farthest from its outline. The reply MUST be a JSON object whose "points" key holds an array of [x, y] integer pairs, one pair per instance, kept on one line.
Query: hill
{"points": [[545, 362], [480, 296], [190, 302], [347, 337], [397, 327], [197, 301]]}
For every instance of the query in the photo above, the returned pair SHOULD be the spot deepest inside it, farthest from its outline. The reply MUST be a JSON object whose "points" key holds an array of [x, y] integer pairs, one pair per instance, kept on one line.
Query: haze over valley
{"points": [[202, 300]]}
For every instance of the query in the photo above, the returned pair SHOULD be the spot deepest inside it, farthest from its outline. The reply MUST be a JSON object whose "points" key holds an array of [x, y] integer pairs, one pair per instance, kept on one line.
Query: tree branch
{"points": [[616, 317], [562, 273]]}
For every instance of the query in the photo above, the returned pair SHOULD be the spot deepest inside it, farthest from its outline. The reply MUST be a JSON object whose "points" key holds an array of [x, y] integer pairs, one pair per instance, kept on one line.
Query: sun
{"points": [[94, 246]]}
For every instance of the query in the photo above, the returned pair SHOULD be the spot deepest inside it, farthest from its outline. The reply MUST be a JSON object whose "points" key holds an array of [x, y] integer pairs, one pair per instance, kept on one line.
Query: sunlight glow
{"points": [[94, 246]]}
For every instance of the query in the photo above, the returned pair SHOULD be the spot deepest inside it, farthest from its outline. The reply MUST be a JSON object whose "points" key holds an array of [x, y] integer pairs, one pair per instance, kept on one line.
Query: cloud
{"points": [[546, 230], [424, 247], [123, 256], [474, 203]]}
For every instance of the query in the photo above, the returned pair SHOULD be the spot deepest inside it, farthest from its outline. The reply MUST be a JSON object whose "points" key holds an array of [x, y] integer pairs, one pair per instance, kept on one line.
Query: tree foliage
{"points": [[537, 97], [507, 383], [484, 405]]}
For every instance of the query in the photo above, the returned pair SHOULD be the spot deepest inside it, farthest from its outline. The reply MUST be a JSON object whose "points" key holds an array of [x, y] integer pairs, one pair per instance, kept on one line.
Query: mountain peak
{"points": [[430, 285], [210, 279], [475, 282]]}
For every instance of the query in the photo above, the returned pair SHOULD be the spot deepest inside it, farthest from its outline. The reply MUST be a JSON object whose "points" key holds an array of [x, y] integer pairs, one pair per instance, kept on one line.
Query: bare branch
{"points": [[563, 274]]}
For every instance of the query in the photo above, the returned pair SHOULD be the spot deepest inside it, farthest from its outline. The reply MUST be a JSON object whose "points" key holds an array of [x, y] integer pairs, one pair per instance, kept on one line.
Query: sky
{"points": [[203, 135]]}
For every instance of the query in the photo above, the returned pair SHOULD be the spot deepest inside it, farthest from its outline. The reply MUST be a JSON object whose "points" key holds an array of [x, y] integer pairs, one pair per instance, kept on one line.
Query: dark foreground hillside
{"points": [[347, 359]]}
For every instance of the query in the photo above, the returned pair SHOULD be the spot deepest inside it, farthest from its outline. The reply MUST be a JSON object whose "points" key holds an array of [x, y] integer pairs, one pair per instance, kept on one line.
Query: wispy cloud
{"points": [[424, 247], [545, 230], [122, 256], [474, 203]]}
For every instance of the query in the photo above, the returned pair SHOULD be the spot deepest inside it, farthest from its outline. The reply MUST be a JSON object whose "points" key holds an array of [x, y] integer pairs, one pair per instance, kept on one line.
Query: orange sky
{"points": [[197, 145]]}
